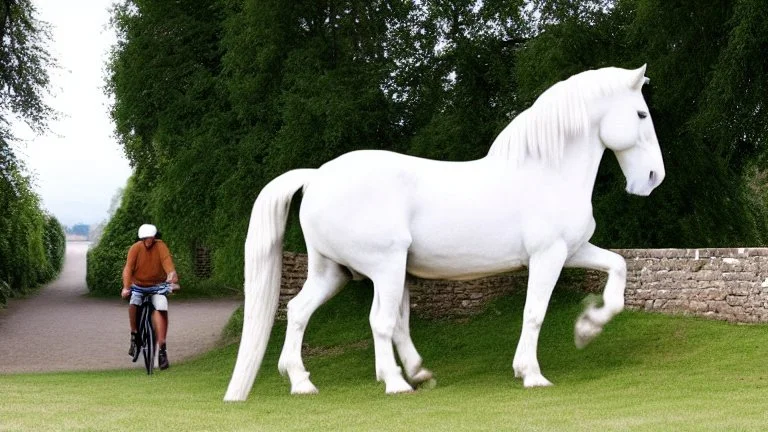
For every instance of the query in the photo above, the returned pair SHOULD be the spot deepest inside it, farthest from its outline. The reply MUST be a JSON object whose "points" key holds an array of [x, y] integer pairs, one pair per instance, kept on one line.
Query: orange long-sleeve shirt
{"points": [[151, 266]]}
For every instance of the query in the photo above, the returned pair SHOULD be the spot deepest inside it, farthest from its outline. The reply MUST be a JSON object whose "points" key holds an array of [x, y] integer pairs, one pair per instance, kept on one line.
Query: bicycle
{"points": [[145, 337], [145, 328]]}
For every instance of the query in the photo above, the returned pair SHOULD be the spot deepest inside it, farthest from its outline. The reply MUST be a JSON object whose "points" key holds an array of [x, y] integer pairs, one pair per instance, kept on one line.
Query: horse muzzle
{"points": [[646, 186]]}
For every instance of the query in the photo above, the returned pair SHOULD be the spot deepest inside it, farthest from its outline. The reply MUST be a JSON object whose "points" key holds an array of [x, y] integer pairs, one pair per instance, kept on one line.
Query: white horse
{"points": [[381, 215]]}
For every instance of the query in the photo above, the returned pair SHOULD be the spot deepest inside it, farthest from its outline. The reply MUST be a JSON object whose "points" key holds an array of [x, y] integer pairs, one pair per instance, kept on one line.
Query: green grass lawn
{"points": [[645, 372]]}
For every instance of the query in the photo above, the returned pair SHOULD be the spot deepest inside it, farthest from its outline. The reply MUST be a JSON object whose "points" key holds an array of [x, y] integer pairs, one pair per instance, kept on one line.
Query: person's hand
{"points": [[125, 293], [172, 278]]}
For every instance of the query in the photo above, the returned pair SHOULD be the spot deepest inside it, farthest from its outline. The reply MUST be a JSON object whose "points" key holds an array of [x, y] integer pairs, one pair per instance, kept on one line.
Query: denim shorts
{"points": [[159, 292]]}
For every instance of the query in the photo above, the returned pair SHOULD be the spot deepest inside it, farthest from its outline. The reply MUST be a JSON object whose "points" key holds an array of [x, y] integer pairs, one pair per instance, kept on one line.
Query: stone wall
{"points": [[294, 275], [724, 284]]}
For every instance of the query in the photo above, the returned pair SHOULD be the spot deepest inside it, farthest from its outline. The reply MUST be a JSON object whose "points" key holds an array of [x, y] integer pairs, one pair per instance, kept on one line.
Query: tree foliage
{"points": [[106, 259], [213, 99], [31, 241], [24, 63], [704, 201]]}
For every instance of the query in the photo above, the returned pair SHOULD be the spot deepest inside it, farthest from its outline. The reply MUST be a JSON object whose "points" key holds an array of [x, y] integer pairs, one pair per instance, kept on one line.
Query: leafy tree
{"points": [[31, 242], [160, 74], [105, 260], [733, 117], [213, 99], [24, 65], [54, 243], [702, 202], [470, 89]]}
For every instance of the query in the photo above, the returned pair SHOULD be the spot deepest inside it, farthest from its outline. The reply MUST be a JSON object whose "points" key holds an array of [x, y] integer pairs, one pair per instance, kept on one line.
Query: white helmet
{"points": [[147, 230]]}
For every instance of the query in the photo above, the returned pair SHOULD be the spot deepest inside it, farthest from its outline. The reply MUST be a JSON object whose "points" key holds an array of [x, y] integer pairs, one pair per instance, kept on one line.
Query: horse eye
{"points": [[642, 114]]}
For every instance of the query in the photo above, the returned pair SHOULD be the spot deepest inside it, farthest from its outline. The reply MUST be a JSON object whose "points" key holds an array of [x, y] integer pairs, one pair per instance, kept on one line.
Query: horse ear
{"points": [[638, 78]]}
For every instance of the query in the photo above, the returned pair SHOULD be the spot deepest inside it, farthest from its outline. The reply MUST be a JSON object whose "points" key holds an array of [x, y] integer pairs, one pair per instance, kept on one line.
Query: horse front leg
{"points": [[591, 322], [543, 271]]}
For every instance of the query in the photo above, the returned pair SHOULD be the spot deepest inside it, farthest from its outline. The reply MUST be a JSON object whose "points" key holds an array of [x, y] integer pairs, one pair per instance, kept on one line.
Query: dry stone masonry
{"points": [[723, 284]]}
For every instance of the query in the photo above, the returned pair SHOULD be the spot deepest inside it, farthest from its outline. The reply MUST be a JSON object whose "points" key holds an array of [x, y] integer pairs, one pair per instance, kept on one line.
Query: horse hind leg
{"points": [[388, 290], [325, 278], [406, 350]]}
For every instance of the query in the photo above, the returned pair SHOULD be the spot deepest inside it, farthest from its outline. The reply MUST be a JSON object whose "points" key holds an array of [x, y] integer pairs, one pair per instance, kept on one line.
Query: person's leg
{"points": [[132, 321], [132, 311], [160, 320]]}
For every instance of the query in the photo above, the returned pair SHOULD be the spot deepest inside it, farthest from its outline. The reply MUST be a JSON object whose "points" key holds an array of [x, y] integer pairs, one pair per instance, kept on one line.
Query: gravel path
{"points": [[62, 329]]}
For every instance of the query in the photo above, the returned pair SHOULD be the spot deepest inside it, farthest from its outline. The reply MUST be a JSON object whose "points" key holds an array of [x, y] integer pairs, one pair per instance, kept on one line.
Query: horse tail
{"points": [[263, 268]]}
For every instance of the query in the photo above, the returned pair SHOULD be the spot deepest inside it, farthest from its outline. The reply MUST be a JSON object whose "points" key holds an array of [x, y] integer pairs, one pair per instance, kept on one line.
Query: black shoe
{"points": [[134, 349], [163, 359]]}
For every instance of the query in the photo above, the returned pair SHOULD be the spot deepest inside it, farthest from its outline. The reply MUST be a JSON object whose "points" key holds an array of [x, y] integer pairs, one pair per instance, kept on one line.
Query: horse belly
{"points": [[459, 269], [462, 252], [475, 233]]}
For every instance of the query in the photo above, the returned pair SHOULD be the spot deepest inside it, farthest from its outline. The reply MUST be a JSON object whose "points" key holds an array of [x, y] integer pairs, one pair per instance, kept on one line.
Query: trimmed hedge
{"points": [[107, 258], [32, 242], [55, 242]]}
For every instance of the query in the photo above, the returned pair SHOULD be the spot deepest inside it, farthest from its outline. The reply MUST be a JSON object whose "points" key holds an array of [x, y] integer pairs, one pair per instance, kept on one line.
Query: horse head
{"points": [[606, 105], [625, 127]]}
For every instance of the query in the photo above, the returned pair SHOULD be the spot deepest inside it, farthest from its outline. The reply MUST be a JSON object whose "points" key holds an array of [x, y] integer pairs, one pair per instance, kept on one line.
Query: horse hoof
{"points": [[399, 387], [421, 376], [585, 331], [304, 387], [536, 381]]}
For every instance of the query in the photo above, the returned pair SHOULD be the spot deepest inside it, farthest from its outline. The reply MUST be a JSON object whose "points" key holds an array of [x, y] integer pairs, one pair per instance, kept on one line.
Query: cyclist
{"points": [[149, 269]]}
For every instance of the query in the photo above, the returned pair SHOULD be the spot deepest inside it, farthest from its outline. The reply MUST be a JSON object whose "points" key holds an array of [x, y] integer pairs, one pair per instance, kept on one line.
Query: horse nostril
{"points": [[652, 176]]}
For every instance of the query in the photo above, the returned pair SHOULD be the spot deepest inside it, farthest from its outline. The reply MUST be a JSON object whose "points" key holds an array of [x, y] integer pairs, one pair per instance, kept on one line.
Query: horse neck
{"points": [[581, 160]]}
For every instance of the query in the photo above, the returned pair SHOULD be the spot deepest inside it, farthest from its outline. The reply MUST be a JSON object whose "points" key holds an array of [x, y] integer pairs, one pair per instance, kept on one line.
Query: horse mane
{"points": [[540, 132]]}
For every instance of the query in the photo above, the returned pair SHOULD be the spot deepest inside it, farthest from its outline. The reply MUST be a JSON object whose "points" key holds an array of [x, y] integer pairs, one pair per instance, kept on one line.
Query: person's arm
{"points": [[128, 273], [167, 262]]}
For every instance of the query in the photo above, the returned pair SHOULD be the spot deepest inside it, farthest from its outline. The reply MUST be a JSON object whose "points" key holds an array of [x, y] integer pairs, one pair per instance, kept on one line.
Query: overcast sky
{"points": [[78, 166]]}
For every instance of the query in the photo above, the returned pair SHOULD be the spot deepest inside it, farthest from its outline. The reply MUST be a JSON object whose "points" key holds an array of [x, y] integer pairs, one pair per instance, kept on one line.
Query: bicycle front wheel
{"points": [[148, 339]]}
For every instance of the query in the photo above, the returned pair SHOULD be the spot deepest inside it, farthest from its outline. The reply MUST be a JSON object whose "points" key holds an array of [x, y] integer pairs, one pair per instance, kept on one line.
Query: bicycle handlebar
{"points": [[164, 288]]}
